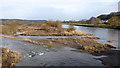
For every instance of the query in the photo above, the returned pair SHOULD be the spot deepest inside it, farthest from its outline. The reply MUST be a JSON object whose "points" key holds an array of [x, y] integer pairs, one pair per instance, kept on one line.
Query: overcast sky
{"points": [[56, 9]]}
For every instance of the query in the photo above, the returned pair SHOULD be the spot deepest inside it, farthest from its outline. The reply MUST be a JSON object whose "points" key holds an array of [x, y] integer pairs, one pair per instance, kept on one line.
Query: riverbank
{"points": [[93, 25]]}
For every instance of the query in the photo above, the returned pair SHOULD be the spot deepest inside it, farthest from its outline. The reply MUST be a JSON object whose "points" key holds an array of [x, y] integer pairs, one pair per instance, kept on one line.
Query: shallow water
{"points": [[45, 37], [51, 56]]}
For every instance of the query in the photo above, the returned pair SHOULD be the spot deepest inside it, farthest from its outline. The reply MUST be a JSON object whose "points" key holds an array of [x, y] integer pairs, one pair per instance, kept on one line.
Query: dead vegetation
{"points": [[22, 39], [88, 45], [10, 27], [49, 28], [90, 37], [9, 58], [85, 44]]}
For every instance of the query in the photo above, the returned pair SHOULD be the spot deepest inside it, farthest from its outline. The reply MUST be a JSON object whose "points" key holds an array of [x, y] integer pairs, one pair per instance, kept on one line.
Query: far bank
{"points": [[96, 25]]}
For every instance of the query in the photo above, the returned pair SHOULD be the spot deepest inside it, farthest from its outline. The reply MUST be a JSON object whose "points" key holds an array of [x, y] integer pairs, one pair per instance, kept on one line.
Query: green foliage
{"points": [[83, 22], [93, 25]]}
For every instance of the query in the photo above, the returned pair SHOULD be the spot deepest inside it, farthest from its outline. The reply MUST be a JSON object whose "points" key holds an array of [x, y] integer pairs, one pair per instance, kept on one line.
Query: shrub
{"points": [[54, 23]]}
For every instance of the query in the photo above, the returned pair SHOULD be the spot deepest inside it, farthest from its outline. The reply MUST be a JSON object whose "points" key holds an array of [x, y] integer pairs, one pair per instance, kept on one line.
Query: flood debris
{"points": [[9, 57], [90, 37]]}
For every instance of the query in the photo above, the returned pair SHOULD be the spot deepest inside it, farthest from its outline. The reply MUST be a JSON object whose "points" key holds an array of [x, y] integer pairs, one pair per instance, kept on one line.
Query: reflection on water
{"points": [[104, 33], [107, 34]]}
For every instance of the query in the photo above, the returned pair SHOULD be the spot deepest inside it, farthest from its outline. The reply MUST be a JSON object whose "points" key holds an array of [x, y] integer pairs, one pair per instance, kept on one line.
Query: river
{"points": [[104, 33], [44, 56]]}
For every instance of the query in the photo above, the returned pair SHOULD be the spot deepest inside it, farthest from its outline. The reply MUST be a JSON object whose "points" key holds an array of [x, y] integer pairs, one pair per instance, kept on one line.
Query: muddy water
{"points": [[34, 55]]}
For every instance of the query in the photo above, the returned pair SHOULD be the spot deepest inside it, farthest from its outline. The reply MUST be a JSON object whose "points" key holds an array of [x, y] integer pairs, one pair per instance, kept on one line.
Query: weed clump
{"points": [[9, 57], [54, 23]]}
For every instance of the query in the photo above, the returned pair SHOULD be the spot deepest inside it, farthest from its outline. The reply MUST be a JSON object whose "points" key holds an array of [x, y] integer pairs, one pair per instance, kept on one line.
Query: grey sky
{"points": [[56, 9]]}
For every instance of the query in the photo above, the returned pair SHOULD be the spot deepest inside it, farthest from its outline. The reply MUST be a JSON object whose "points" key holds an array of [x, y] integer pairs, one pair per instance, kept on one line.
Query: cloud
{"points": [[56, 9]]}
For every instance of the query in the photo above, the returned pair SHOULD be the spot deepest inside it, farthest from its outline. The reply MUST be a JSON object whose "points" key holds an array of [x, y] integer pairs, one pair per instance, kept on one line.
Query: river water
{"points": [[104, 33], [43, 56]]}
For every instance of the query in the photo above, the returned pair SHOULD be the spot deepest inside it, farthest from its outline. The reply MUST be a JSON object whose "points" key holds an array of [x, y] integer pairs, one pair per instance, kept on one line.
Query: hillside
{"points": [[3, 20], [108, 16]]}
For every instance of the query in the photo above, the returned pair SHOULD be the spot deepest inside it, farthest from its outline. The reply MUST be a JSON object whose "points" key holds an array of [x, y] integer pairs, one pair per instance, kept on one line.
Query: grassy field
{"points": [[91, 25]]}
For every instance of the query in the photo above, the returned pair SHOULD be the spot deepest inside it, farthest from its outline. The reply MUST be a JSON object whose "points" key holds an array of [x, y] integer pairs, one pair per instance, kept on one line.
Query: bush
{"points": [[54, 23]]}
